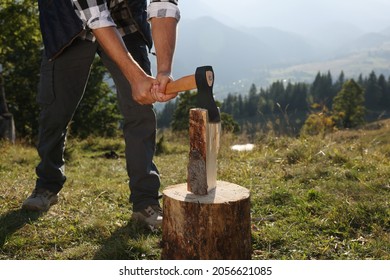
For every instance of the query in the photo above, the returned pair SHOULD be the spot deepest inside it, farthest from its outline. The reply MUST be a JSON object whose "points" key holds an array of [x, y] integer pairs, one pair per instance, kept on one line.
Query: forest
{"points": [[284, 106]]}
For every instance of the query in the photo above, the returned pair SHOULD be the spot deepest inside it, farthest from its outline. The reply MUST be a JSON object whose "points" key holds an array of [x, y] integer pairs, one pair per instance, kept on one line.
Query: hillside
{"points": [[287, 48], [353, 62], [242, 56], [233, 54]]}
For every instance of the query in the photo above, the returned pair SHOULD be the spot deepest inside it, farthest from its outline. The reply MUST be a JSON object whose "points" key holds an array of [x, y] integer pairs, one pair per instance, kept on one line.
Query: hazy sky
{"points": [[293, 15]]}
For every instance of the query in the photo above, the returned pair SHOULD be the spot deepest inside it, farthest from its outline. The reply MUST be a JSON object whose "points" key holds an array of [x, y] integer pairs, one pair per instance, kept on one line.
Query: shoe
{"points": [[40, 200], [151, 216]]}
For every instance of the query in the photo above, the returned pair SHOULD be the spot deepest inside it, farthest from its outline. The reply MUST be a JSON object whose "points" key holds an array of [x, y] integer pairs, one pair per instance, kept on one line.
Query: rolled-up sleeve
{"points": [[163, 8], [93, 13]]}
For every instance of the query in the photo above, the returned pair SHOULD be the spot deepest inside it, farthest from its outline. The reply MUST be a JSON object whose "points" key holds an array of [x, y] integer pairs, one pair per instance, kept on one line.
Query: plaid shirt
{"points": [[105, 13]]}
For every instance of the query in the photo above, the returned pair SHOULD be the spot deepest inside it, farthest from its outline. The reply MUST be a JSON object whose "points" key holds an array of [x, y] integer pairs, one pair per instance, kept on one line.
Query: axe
{"points": [[203, 80], [204, 131]]}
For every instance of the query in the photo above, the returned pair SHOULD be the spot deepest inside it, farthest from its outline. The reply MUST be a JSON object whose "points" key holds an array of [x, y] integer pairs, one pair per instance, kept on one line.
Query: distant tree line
{"points": [[284, 106]]}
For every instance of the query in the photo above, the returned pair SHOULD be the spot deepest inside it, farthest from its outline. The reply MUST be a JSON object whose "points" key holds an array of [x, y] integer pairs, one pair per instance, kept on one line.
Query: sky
{"points": [[300, 16]]}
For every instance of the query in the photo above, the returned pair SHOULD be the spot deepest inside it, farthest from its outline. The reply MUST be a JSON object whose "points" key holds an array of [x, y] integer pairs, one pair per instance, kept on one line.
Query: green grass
{"points": [[311, 198]]}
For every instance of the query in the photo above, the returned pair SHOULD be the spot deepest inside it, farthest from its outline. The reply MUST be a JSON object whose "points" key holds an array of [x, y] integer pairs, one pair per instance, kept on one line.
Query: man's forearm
{"points": [[141, 83], [164, 36], [163, 16], [111, 42]]}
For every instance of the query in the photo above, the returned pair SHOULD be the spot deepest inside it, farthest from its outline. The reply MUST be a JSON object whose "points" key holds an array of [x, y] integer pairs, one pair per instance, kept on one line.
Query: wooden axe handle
{"points": [[183, 84]]}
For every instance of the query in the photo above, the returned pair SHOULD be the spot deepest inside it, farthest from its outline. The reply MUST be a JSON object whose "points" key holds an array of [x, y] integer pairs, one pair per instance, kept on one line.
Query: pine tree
{"points": [[339, 82], [252, 101], [348, 106], [321, 90], [384, 88], [373, 92]]}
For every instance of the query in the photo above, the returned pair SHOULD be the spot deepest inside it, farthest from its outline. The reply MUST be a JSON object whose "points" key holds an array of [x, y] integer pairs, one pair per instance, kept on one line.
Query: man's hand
{"points": [[158, 90], [142, 90]]}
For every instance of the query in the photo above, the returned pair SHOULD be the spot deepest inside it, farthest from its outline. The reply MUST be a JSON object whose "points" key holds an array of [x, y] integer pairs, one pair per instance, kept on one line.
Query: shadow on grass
{"points": [[131, 242], [14, 220]]}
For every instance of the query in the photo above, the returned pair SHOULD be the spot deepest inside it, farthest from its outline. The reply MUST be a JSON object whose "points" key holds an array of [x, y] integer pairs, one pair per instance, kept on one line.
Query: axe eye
{"points": [[210, 78]]}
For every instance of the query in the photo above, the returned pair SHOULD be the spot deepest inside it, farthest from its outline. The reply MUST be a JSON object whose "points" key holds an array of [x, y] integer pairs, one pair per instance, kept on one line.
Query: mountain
{"points": [[367, 41], [233, 54], [289, 48], [197, 9], [299, 16], [243, 56], [386, 31], [238, 56]]}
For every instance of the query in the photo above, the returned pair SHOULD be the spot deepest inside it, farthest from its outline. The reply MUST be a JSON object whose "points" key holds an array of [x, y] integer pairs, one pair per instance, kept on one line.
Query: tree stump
{"points": [[204, 227]]}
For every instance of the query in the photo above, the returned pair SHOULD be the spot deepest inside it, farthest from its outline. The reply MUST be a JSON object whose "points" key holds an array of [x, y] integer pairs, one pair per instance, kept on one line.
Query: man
{"points": [[73, 32]]}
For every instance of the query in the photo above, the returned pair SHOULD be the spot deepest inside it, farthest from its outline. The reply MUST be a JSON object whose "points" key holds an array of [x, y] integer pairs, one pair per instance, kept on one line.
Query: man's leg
{"points": [[61, 88], [139, 131]]}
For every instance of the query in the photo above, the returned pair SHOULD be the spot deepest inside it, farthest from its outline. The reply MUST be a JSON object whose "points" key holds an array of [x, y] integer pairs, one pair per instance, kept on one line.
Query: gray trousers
{"points": [[61, 88]]}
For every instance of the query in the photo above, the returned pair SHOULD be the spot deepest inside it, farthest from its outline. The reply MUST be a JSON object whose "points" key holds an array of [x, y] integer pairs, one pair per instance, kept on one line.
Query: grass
{"points": [[311, 198]]}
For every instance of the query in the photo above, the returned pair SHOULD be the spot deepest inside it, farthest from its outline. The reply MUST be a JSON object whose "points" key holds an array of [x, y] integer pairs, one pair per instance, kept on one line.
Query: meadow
{"points": [[320, 197]]}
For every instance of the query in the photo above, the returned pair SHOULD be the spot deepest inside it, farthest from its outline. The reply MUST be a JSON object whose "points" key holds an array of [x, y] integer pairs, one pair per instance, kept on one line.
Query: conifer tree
{"points": [[348, 106]]}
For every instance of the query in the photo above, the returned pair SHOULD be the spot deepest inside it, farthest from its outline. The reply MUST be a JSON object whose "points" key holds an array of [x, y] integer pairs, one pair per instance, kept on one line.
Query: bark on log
{"points": [[213, 226], [197, 172]]}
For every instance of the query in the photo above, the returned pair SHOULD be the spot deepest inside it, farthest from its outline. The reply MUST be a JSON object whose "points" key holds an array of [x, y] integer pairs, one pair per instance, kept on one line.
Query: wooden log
{"points": [[204, 146], [213, 226], [197, 173]]}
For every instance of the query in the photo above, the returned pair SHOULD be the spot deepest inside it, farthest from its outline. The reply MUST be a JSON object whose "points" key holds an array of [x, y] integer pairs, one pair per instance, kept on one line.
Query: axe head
{"points": [[204, 77]]}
